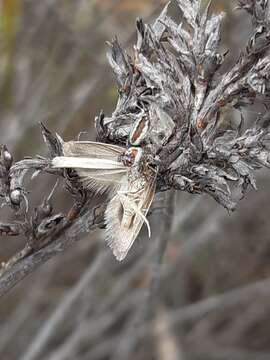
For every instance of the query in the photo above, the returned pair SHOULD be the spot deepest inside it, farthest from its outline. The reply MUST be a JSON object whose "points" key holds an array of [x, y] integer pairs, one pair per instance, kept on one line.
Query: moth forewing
{"points": [[124, 219], [80, 162], [97, 165], [92, 149]]}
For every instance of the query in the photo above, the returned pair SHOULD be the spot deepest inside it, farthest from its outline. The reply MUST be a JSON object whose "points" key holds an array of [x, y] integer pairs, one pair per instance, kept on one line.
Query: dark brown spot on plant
{"points": [[72, 214], [137, 133], [222, 103], [200, 124], [126, 89]]}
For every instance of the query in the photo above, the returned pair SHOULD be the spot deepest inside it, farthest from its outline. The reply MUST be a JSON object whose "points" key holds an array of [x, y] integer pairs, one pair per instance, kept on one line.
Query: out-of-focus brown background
{"points": [[210, 298]]}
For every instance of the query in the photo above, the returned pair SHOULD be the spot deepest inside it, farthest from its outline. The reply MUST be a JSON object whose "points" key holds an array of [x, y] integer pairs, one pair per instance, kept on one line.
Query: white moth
{"points": [[126, 175]]}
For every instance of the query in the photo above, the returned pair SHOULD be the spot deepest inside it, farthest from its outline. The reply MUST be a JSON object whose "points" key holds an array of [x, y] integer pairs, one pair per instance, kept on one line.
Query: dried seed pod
{"points": [[3, 171], [16, 196], [49, 224], [44, 210], [6, 157]]}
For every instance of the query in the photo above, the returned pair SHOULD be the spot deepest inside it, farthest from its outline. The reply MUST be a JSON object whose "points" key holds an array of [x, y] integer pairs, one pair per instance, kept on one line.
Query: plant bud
{"points": [[16, 197], [6, 157]]}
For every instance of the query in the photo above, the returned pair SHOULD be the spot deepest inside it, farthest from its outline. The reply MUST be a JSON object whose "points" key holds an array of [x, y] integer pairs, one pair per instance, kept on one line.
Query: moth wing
{"points": [[119, 238], [96, 164], [92, 149], [101, 181]]}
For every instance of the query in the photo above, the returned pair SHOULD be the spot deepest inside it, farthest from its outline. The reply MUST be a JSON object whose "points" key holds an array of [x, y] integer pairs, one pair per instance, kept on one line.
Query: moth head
{"points": [[132, 156]]}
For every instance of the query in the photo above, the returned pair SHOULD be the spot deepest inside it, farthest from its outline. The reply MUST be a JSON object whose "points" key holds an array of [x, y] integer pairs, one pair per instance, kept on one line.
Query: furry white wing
{"points": [[92, 149], [119, 237], [73, 162], [97, 165]]}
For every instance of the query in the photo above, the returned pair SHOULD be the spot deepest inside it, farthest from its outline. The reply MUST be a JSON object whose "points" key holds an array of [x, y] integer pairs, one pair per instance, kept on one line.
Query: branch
{"points": [[29, 259], [47, 233]]}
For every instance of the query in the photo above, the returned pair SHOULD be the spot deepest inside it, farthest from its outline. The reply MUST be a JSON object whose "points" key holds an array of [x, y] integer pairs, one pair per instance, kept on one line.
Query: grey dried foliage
{"points": [[176, 80]]}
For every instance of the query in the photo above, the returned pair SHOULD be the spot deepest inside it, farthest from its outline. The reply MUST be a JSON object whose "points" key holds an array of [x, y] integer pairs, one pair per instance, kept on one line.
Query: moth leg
{"points": [[125, 200], [80, 135], [124, 192]]}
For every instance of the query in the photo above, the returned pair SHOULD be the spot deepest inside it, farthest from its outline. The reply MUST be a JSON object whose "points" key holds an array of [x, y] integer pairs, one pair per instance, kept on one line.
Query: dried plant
{"points": [[173, 90]]}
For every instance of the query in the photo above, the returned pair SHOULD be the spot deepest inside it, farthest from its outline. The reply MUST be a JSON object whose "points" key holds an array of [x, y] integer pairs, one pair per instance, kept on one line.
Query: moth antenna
{"points": [[53, 190], [145, 220], [80, 135]]}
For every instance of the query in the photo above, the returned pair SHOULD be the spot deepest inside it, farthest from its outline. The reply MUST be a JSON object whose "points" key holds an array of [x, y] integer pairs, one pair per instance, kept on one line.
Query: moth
{"points": [[128, 178]]}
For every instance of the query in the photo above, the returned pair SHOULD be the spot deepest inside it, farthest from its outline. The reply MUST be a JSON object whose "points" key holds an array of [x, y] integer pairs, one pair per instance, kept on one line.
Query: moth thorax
{"points": [[139, 131], [132, 156]]}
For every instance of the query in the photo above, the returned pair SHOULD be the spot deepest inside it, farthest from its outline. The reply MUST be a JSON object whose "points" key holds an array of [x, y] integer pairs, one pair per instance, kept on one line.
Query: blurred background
{"points": [[208, 296]]}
